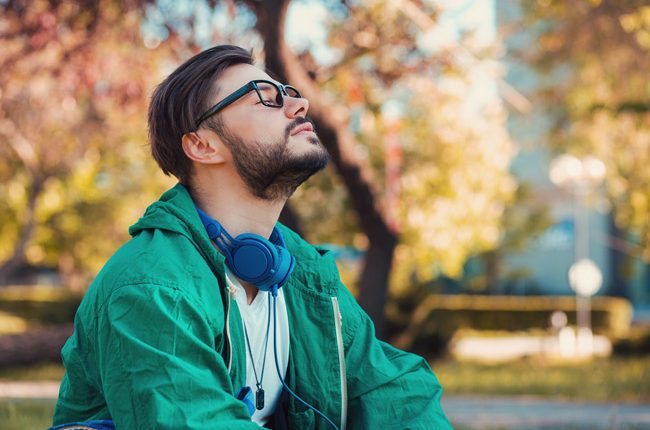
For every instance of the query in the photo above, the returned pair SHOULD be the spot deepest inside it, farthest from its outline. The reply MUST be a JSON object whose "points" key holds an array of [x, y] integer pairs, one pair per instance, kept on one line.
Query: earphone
{"points": [[266, 264]]}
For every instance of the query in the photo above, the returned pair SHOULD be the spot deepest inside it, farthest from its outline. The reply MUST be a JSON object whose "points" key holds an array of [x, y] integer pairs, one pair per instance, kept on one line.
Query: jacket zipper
{"points": [[339, 342], [228, 341]]}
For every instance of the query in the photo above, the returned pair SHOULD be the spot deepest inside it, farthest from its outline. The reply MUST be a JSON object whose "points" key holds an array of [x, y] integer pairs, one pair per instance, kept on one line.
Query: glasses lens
{"points": [[269, 94], [291, 91]]}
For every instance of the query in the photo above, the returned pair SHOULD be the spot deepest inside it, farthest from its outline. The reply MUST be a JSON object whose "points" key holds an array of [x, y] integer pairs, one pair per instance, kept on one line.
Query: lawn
{"points": [[616, 379], [620, 379], [22, 414], [25, 414]]}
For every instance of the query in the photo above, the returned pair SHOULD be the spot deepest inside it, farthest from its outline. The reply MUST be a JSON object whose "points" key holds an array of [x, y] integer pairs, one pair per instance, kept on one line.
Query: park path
{"points": [[29, 390], [535, 413], [469, 412]]}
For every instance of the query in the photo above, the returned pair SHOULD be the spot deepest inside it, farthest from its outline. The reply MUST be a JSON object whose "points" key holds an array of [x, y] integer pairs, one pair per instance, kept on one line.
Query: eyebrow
{"points": [[249, 94], [263, 86]]}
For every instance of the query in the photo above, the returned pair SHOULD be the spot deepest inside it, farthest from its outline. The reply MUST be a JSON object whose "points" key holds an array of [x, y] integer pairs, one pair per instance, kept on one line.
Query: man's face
{"points": [[273, 149]]}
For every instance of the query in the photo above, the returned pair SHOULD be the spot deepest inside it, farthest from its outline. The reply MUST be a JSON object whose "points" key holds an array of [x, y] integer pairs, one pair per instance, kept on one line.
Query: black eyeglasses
{"points": [[270, 93]]}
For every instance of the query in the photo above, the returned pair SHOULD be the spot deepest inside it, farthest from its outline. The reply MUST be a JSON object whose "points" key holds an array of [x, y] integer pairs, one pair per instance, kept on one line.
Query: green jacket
{"points": [[158, 341]]}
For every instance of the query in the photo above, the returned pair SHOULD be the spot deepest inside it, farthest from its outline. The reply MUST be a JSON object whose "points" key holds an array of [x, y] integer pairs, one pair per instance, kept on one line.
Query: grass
{"points": [[25, 414], [21, 414], [616, 379]]}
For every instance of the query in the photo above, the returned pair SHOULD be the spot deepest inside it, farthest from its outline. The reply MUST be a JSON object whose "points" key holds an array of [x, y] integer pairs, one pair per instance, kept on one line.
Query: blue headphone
{"points": [[266, 264]]}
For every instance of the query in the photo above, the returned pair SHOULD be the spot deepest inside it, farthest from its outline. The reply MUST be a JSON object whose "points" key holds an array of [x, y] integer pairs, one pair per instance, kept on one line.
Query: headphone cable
{"points": [[274, 293]]}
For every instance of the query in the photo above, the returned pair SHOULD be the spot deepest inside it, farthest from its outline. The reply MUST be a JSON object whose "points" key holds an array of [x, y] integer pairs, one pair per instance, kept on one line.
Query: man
{"points": [[187, 328]]}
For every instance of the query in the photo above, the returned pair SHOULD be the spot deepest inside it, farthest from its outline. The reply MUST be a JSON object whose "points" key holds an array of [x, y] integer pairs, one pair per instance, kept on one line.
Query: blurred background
{"points": [[487, 199]]}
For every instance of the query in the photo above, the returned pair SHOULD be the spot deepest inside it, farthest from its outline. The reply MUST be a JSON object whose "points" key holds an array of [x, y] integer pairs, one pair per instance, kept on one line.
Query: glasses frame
{"points": [[241, 92]]}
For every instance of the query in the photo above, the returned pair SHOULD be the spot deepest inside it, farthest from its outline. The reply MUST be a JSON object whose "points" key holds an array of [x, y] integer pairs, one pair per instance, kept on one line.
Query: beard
{"points": [[269, 169]]}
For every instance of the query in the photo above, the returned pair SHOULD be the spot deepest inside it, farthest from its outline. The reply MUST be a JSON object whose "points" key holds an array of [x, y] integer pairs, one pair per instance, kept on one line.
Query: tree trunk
{"points": [[492, 262], [621, 262], [289, 218], [26, 232], [34, 346], [331, 124]]}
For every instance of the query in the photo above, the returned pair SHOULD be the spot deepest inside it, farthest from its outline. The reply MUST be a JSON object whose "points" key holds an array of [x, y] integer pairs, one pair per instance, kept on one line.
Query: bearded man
{"points": [[214, 315]]}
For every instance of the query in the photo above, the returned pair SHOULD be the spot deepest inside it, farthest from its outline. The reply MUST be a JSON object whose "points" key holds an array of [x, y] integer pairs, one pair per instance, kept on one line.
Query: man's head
{"points": [[218, 110]]}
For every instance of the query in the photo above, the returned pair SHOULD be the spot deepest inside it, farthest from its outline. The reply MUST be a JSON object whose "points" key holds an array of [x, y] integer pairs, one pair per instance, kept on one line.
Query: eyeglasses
{"points": [[270, 93]]}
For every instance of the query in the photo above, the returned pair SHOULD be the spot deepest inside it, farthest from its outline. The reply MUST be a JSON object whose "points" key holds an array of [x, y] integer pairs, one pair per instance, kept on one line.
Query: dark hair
{"points": [[180, 99]]}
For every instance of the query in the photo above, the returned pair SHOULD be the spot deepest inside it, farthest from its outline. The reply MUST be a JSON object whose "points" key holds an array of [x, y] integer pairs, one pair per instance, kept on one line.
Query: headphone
{"points": [[266, 264]]}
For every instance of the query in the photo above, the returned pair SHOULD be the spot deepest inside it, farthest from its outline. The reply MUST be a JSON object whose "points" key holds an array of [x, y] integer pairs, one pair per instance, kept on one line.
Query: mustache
{"points": [[297, 123]]}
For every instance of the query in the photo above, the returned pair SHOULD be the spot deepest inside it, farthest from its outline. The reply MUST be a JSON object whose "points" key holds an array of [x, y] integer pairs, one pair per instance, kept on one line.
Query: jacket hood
{"points": [[175, 212]]}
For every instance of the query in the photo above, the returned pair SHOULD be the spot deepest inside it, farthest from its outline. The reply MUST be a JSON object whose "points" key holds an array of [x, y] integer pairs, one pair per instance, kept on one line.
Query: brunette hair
{"points": [[180, 99]]}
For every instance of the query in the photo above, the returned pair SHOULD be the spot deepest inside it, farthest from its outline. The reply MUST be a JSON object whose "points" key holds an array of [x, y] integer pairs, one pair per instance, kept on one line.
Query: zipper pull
{"points": [[232, 290]]}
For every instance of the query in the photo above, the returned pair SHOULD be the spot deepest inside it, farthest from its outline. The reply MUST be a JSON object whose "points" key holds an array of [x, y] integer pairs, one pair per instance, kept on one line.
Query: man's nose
{"points": [[296, 106]]}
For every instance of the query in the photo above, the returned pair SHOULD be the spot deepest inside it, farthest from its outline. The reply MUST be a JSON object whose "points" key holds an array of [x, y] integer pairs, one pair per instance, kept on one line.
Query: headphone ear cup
{"points": [[253, 258], [266, 264], [286, 263], [260, 262]]}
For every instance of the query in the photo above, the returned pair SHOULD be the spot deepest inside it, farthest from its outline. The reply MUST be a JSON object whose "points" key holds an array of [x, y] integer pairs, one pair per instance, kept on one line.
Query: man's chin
{"points": [[310, 155], [308, 144], [314, 140]]}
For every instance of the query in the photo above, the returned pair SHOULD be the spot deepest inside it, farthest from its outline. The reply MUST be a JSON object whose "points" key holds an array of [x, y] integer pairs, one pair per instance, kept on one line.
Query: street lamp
{"points": [[585, 279], [580, 176]]}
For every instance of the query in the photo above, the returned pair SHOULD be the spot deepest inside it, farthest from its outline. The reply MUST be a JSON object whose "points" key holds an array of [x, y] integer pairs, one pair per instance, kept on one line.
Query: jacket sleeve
{"points": [[158, 365], [387, 388]]}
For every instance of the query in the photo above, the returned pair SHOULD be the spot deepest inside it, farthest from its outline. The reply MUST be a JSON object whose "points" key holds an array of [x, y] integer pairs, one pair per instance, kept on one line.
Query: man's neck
{"points": [[239, 212]]}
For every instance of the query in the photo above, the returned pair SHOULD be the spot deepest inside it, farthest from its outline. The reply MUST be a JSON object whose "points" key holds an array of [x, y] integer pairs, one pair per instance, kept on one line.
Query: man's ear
{"points": [[200, 149]]}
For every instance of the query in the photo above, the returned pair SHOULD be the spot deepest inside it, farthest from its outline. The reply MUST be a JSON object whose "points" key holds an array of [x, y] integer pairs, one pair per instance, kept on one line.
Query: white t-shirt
{"points": [[255, 317]]}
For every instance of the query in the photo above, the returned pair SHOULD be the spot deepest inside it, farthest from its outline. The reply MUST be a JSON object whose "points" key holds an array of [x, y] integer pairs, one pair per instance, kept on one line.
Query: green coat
{"points": [[158, 341]]}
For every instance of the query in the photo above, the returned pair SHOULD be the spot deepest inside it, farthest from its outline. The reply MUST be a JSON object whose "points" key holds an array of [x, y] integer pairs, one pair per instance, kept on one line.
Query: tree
{"points": [[595, 56], [449, 148], [73, 88], [382, 60], [441, 227], [373, 280], [287, 66]]}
